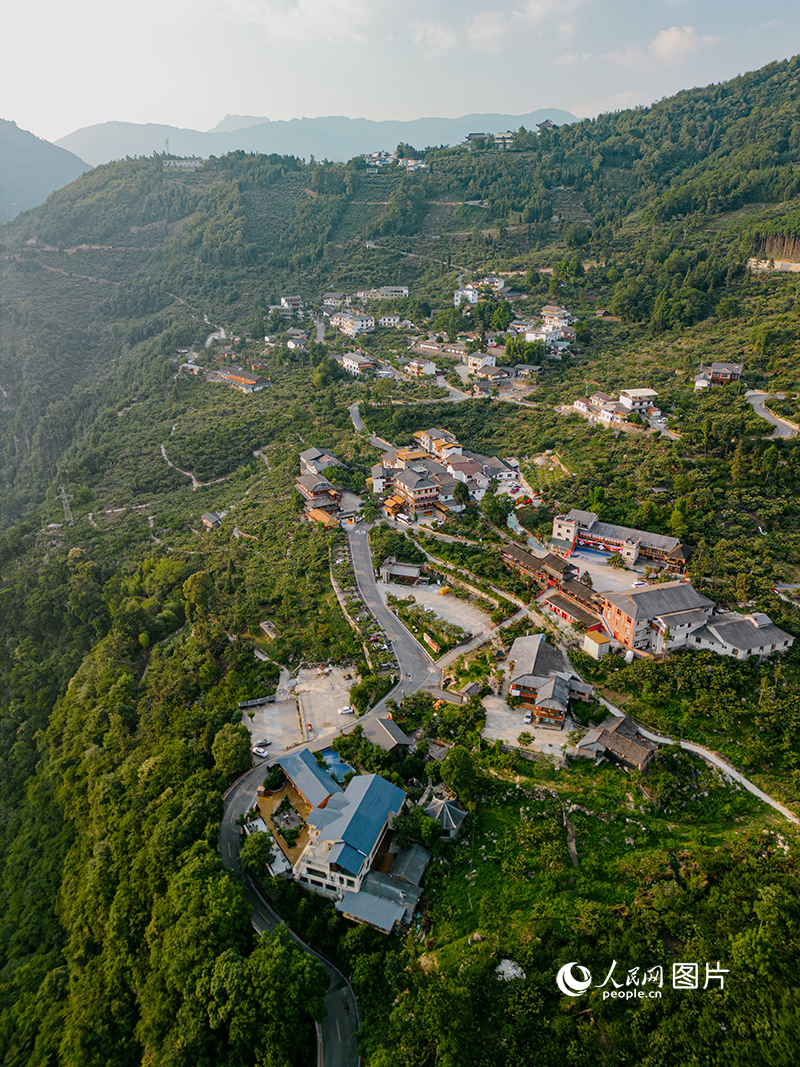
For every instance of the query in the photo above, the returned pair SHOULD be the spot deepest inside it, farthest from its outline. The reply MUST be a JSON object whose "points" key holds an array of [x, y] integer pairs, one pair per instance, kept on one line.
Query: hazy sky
{"points": [[190, 62]]}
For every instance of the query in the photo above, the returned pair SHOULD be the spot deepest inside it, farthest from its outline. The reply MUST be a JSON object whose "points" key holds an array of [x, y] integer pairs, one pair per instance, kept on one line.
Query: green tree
{"points": [[256, 854], [231, 750], [461, 493], [459, 773]]}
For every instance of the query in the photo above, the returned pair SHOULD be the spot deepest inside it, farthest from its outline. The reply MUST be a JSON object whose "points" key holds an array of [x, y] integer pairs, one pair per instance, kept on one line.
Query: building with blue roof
{"points": [[345, 832], [311, 781]]}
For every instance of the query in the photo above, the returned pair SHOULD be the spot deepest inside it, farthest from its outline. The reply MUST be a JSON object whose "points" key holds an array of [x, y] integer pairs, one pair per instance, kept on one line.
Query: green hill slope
{"points": [[129, 636]]}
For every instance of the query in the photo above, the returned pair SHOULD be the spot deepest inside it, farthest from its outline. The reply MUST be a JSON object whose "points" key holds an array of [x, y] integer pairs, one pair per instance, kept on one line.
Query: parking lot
{"points": [[506, 724], [313, 697], [450, 608]]}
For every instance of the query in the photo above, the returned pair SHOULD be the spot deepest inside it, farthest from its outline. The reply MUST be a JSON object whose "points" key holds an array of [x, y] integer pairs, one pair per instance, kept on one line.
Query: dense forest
{"points": [[128, 631]]}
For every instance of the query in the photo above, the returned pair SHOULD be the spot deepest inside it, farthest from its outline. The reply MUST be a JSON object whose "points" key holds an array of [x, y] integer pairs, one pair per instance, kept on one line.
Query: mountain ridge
{"points": [[32, 169], [334, 137]]}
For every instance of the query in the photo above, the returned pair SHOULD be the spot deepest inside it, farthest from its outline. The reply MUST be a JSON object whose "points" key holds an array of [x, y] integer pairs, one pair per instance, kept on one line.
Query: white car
{"points": [[528, 718], [261, 749], [348, 709], [638, 585]]}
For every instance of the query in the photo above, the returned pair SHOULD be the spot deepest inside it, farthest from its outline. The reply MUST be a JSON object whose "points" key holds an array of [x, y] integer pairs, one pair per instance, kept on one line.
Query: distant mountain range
{"points": [[335, 137], [31, 169]]}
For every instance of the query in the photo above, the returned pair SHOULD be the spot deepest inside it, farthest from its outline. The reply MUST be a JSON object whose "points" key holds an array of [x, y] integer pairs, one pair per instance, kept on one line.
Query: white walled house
{"points": [[637, 399], [356, 363]]}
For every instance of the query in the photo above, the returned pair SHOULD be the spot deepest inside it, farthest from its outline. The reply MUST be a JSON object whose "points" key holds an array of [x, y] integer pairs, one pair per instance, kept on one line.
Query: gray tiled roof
{"points": [[385, 732], [309, 778], [447, 814], [413, 480], [533, 656], [409, 865], [314, 483], [370, 909], [659, 600], [585, 518], [740, 633], [625, 533]]}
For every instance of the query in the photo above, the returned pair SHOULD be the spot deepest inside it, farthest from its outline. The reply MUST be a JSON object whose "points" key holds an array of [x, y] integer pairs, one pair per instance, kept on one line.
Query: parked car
{"points": [[348, 709], [261, 748], [638, 585], [528, 719], [514, 489]]}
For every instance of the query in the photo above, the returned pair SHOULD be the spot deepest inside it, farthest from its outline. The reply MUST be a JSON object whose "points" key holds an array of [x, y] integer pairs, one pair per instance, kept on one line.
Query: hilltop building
{"points": [[583, 529], [717, 374], [347, 833]]}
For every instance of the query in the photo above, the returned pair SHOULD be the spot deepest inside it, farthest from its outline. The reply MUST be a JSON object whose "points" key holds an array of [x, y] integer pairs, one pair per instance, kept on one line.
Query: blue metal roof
{"points": [[346, 857], [315, 784], [357, 817]]}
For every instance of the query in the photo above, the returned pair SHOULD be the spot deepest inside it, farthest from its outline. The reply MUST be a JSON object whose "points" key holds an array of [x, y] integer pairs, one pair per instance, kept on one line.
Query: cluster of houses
{"points": [[353, 320], [652, 619], [541, 680], [348, 853], [376, 161], [422, 479], [554, 330], [246, 381], [471, 292], [601, 407]]}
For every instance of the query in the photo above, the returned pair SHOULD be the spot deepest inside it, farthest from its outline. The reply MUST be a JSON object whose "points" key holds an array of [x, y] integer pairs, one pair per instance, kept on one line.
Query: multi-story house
{"points": [[417, 490], [583, 529], [638, 400], [476, 361], [438, 442], [356, 363], [540, 677], [718, 374], [316, 460], [421, 368], [318, 492], [465, 296]]}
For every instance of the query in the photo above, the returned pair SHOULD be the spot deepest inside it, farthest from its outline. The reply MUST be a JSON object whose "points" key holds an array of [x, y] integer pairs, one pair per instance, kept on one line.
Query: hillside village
{"points": [[402, 584]]}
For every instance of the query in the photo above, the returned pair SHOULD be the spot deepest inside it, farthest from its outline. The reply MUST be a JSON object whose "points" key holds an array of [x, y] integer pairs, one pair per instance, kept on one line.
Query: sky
{"points": [[190, 62]]}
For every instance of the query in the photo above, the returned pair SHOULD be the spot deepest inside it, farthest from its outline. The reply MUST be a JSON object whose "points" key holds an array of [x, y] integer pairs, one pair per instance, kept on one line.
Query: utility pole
{"points": [[65, 504]]}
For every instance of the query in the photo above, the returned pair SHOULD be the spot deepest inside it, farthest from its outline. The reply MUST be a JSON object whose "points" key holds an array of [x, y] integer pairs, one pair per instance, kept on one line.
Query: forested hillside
{"points": [[127, 636]]}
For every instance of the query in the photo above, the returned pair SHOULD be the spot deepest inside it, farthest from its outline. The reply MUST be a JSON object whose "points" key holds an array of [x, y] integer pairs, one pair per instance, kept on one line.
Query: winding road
{"points": [[415, 668], [338, 1046], [783, 428]]}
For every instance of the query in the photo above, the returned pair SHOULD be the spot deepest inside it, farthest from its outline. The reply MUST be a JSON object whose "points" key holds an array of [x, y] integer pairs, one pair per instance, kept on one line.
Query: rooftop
{"points": [[658, 600], [310, 780]]}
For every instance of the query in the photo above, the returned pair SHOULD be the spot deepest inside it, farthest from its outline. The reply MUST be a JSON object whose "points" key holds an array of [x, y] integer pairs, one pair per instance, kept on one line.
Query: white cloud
{"points": [[337, 20], [678, 41], [486, 31], [433, 38]]}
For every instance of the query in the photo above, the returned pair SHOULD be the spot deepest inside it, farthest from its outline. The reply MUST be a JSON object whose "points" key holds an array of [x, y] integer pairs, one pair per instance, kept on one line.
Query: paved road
{"points": [[321, 330], [416, 669], [338, 1029], [710, 757], [757, 400], [355, 415]]}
